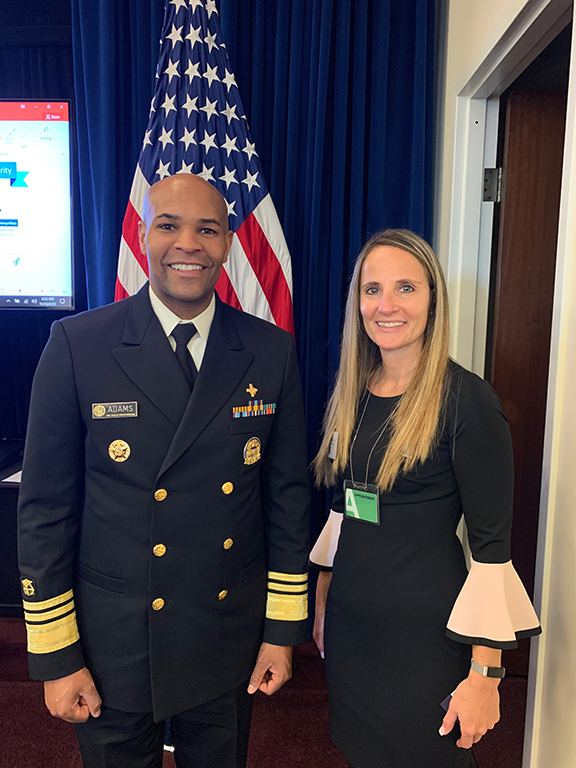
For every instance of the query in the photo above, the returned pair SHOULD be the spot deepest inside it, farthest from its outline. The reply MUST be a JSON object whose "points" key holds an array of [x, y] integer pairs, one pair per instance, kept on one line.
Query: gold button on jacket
{"points": [[222, 595], [227, 488], [228, 543], [159, 550], [160, 494], [158, 604]]}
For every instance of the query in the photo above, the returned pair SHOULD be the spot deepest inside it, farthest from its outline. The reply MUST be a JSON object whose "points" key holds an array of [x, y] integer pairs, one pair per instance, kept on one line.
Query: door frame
{"points": [[468, 272]]}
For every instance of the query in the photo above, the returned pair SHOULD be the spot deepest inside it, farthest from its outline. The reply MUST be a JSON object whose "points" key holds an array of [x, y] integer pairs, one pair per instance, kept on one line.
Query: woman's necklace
{"points": [[353, 443]]}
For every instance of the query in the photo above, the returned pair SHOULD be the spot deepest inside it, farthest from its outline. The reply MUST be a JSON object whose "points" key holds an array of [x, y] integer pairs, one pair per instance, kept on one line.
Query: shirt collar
{"points": [[169, 321]]}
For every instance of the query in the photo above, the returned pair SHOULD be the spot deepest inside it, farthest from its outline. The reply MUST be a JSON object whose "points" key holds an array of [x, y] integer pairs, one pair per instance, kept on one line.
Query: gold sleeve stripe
{"points": [[47, 638], [287, 587], [287, 607], [49, 615], [293, 578], [51, 603]]}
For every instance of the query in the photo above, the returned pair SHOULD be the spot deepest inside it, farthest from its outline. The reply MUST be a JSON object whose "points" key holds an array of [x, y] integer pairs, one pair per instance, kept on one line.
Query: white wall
{"points": [[553, 675], [473, 28]]}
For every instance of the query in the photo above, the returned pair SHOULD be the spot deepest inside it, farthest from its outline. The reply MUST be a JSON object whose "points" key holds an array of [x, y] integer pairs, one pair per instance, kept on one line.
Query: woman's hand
{"points": [[476, 704], [322, 586]]}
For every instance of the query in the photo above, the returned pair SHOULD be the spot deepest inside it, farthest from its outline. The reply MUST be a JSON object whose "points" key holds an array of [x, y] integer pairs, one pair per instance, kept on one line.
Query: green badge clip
{"points": [[362, 502]]}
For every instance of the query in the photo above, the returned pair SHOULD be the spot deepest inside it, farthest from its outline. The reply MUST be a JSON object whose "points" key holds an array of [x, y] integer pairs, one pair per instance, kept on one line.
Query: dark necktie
{"points": [[182, 334]]}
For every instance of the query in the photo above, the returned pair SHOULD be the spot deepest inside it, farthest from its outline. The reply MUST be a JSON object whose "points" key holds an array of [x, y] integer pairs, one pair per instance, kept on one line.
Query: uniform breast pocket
{"points": [[253, 424]]}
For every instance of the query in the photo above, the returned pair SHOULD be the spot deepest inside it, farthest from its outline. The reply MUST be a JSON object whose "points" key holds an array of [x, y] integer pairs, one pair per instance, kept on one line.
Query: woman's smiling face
{"points": [[394, 300]]}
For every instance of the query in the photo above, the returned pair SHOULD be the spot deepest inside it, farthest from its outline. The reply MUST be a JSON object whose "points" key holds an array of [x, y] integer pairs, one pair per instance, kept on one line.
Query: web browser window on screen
{"points": [[35, 206]]}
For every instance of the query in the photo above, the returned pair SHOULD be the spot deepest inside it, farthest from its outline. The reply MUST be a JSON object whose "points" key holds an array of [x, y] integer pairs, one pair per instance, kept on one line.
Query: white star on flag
{"points": [[250, 180], [230, 80], [163, 169], [210, 109], [194, 4], [192, 72], [175, 35], [211, 75], [211, 7], [249, 149], [230, 112], [194, 36], [188, 137], [206, 173], [229, 177], [172, 70], [169, 104], [208, 141], [179, 4], [147, 138], [190, 105], [230, 145], [210, 41], [164, 138], [185, 168]]}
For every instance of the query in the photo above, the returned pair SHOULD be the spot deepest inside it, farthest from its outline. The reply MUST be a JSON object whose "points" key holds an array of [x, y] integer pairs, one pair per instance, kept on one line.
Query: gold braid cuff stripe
{"points": [[53, 601], [287, 607], [49, 615], [47, 638], [295, 578], [278, 587]]}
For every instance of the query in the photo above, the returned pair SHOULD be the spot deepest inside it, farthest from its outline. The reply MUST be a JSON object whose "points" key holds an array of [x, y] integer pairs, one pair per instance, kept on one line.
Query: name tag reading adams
{"points": [[114, 410], [362, 502]]}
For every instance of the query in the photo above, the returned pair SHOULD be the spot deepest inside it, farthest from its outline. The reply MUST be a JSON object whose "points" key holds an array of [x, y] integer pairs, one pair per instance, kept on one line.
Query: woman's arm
{"points": [[322, 587]]}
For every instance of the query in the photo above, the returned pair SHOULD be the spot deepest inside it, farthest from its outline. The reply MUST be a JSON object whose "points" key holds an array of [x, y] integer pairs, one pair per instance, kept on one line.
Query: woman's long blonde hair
{"points": [[414, 425]]}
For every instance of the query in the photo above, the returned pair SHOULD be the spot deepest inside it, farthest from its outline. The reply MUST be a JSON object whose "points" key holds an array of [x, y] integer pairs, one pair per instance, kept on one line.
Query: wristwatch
{"points": [[487, 671]]}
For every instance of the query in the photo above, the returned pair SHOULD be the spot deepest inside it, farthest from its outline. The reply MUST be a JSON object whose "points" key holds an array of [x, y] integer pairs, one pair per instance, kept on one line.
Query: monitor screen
{"points": [[36, 269]]}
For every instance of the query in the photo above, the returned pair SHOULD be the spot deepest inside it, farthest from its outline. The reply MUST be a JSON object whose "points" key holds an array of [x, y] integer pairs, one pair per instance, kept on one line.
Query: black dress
{"points": [[389, 662]]}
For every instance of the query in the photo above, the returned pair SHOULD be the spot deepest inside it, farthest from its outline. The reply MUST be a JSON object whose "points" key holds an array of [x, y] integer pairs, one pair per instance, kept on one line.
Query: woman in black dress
{"points": [[413, 441]]}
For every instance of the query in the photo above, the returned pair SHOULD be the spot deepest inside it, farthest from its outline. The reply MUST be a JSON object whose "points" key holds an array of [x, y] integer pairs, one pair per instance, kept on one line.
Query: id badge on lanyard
{"points": [[362, 502]]}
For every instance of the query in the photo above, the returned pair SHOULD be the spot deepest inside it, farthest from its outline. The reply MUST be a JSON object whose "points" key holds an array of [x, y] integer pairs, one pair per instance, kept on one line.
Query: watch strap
{"points": [[487, 671]]}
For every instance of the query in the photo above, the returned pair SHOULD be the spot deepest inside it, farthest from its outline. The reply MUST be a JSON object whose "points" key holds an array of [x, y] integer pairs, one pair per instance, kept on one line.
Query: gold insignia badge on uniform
{"points": [[114, 410], [251, 389], [119, 450], [252, 451], [28, 587]]}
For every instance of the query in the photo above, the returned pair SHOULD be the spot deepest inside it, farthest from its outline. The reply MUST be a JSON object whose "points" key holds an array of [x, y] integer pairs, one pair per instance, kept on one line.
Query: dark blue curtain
{"points": [[339, 95], [115, 47]]}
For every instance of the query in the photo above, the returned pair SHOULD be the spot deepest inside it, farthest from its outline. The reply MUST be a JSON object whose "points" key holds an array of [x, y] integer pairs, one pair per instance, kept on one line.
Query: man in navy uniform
{"points": [[163, 508]]}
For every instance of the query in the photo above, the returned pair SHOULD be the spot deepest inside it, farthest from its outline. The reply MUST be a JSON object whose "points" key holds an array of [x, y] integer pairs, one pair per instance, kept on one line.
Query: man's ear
{"points": [[141, 236], [229, 238]]}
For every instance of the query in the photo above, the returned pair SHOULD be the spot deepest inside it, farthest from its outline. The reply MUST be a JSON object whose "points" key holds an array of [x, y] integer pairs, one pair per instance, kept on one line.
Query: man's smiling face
{"points": [[184, 234]]}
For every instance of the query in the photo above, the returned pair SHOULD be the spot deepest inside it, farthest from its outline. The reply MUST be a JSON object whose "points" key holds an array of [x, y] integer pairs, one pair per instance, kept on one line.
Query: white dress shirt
{"points": [[169, 321]]}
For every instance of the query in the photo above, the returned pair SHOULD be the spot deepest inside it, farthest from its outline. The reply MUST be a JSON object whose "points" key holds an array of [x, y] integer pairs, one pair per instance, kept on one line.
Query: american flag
{"points": [[197, 125]]}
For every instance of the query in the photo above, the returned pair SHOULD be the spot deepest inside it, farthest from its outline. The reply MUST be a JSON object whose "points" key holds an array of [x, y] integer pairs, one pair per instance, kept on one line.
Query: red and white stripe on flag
{"points": [[197, 125]]}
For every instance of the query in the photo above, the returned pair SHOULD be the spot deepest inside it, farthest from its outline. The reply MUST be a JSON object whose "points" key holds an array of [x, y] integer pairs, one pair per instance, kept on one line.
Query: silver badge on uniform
{"points": [[114, 410]]}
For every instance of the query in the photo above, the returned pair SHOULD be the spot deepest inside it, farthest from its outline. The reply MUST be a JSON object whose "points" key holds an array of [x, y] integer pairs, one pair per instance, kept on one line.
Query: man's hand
{"points": [[273, 668], [73, 698]]}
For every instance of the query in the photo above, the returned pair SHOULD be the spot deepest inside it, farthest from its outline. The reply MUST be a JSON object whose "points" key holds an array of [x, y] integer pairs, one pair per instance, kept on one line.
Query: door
{"points": [[522, 305]]}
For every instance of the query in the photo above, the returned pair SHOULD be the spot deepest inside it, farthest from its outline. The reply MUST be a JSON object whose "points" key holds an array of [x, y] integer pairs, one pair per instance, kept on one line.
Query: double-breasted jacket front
{"points": [[162, 535]]}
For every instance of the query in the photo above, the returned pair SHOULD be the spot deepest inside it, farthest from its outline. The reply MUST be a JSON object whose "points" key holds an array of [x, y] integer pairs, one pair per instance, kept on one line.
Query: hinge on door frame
{"points": [[492, 185]]}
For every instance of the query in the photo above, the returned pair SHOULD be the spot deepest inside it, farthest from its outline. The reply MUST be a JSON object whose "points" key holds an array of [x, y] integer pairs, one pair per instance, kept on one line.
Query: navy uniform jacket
{"points": [[160, 549]]}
